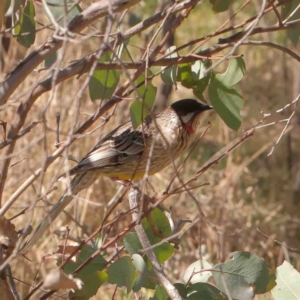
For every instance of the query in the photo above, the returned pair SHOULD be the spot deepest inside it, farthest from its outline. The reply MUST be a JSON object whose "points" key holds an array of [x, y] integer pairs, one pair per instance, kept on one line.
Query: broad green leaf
{"points": [[245, 275], [219, 5], [122, 273], [185, 76], [140, 109], [132, 243], [195, 272], [200, 87], [90, 287], [227, 102], [146, 277], [198, 69], [25, 29], [199, 291], [182, 289], [160, 294], [234, 73], [169, 74], [103, 83], [201, 79], [286, 10], [194, 76], [164, 251], [57, 8], [97, 264], [287, 283], [204, 291]]}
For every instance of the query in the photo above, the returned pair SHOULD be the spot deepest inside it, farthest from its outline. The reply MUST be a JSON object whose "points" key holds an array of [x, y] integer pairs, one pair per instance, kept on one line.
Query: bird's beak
{"points": [[206, 107]]}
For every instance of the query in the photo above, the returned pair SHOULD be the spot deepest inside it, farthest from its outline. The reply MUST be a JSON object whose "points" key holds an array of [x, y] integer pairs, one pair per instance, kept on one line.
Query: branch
{"points": [[272, 45], [247, 32], [26, 105], [82, 66], [134, 197], [19, 135], [95, 11]]}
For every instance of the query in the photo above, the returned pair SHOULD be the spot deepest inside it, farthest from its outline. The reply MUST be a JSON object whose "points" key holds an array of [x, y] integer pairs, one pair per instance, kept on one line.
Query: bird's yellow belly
{"points": [[131, 172], [137, 170]]}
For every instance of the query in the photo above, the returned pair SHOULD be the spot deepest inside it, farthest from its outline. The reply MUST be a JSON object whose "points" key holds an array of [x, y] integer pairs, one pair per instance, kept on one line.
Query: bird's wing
{"points": [[122, 145]]}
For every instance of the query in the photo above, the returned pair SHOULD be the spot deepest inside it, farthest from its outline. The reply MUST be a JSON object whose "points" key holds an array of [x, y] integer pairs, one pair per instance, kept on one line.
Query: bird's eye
{"points": [[187, 118]]}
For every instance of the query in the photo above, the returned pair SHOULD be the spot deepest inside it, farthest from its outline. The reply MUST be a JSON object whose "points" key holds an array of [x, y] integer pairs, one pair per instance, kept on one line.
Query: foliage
{"points": [[117, 71]]}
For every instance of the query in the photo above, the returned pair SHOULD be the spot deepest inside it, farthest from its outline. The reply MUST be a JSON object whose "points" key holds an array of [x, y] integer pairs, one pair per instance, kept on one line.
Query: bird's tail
{"points": [[78, 183], [42, 227]]}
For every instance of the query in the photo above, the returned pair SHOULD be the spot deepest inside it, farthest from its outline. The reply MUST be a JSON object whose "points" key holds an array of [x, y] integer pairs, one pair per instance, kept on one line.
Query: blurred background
{"points": [[248, 190]]}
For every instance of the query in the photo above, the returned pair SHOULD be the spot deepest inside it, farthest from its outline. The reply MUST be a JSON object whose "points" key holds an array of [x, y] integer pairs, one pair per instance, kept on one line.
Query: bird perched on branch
{"points": [[127, 153]]}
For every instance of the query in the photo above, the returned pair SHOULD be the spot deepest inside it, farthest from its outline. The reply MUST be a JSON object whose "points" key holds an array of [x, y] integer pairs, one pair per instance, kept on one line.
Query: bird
{"points": [[128, 153]]}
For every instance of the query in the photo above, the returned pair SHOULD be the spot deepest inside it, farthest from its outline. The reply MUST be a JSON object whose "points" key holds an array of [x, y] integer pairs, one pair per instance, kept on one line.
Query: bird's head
{"points": [[189, 111]]}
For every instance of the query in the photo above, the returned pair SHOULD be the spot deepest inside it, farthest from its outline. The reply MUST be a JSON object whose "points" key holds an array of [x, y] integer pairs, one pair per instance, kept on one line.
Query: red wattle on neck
{"points": [[189, 129]]}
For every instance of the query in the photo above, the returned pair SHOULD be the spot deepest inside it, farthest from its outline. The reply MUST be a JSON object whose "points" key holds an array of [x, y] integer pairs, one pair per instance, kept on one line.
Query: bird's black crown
{"points": [[186, 106]]}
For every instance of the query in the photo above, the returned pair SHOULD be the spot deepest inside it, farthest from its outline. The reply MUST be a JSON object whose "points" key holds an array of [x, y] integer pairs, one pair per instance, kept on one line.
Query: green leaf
{"points": [[169, 74], [160, 294], [234, 73], [57, 8], [286, 10], [219, 5], [140, 109], [287, 283], [197, 291], [90, 287], [182, 289], [164, 251], [146, 278], [244, 275], [25, 30], [96, 264], [194, 273], [200, 87], [198, 69], [185, 75], [103, 83], [204, 291], [227, 102], [122, 273], [132, 243]]}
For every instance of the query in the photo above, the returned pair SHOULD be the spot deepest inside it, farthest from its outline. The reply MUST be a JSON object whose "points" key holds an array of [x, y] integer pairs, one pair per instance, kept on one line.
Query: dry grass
{"points": [[247, 190]]}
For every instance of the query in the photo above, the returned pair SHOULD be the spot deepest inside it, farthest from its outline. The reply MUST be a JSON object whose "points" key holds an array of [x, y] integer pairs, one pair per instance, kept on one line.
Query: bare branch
{"points": [[19, 135], [275, 46], [96, 11], [134, 196]]}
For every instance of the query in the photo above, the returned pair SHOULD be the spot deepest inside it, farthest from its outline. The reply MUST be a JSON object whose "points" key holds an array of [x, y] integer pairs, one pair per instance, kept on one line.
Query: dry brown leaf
{"points": [[57, 279], [8, 236]]}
